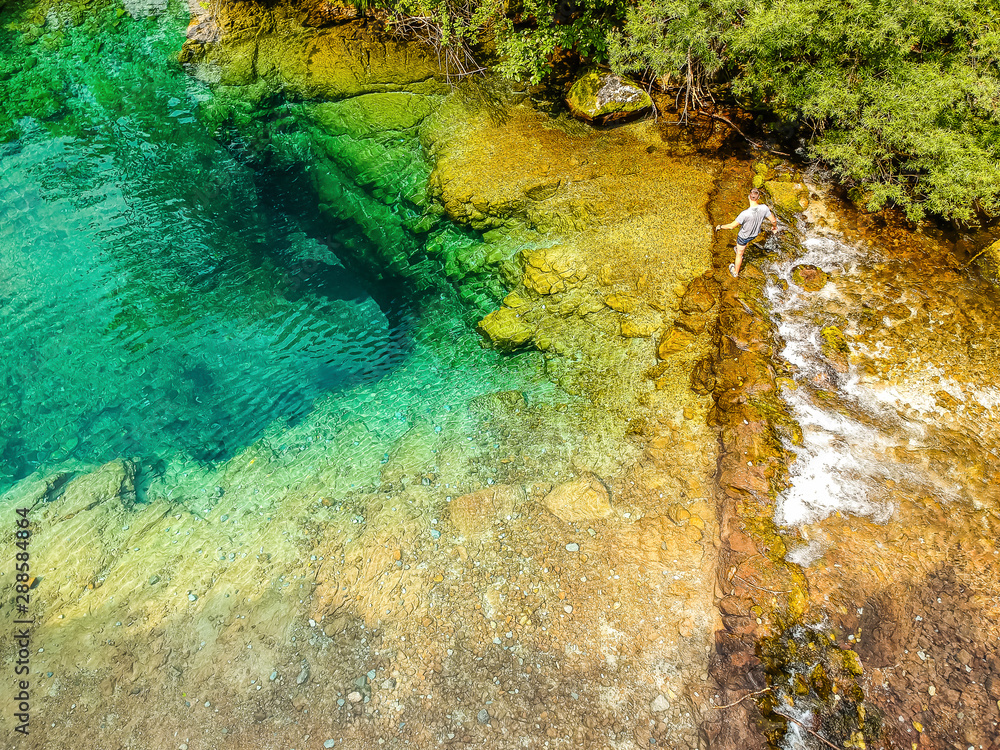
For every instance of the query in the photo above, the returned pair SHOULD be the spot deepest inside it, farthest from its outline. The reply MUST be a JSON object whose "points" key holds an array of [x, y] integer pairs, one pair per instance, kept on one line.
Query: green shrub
{"points": [[901, 98]]}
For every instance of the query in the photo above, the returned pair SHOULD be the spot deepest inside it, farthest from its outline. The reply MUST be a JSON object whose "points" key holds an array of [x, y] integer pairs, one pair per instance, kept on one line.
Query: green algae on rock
{"points": [[810, 278], [834, 343], [787, 197], [506, 329], [606, 97], [239, 43]]}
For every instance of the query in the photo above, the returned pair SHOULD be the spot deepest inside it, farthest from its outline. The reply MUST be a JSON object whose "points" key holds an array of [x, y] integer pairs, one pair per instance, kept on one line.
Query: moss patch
{"points": [[604, 97]]}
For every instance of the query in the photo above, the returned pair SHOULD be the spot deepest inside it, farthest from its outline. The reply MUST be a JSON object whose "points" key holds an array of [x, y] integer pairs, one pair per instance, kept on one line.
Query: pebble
{"points": [[329, 743], [435, 534], [303, 675], [483, 717], [568, 608], [659, 704], [572, 547], [354, 696]]}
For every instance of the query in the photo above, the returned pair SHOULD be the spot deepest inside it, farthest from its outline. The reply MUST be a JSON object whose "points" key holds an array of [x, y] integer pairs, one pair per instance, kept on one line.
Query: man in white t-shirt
{"points": [[749, 222]]}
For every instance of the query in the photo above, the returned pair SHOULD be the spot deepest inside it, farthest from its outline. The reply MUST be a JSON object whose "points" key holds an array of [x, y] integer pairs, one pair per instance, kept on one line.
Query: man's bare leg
{"points": [[740, 249]]}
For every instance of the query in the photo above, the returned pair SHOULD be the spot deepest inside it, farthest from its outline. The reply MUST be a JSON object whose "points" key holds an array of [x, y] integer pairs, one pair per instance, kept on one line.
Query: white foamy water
{"points": [[853, 429]]}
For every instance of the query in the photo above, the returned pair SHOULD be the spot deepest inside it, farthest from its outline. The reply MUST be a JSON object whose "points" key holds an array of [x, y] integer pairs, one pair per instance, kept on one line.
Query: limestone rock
{"points": [[506, 329], [692, 323], [787, 197], [639, 326], [659, 704], [373, 113], [583, 499], [476, 511], [675, 340], [624, 303], [241, 43], [606, 97], [810, 278], [552, 269]]}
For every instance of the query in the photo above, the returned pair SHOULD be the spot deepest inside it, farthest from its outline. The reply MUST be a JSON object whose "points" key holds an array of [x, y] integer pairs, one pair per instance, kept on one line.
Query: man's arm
{"points": [[773, 218], [731, 225]]}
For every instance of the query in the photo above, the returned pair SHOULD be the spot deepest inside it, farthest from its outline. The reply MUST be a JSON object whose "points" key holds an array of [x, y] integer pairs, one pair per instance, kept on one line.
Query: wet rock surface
{"points": [[323, 52], [606, 97], [889, 376]]}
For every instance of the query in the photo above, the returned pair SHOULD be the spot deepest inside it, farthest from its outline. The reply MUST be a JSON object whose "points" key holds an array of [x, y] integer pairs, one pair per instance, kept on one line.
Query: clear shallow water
{"points": [[159, 297]]}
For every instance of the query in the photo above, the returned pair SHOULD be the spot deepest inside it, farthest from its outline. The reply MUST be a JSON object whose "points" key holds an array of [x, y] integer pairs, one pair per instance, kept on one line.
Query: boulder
{"points": [[606, 97], [506, 329], [787, 197], [674, 340], [698, 297], [810, 278], [583, 499]]}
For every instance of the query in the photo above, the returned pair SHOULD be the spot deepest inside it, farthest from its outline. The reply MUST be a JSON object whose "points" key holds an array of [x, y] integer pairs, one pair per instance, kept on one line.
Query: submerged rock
{"points": [[506, 329], [810, 278], [989, 262], [552, 269], [476, 511], [581, 500], [606, 97], [673, 341], [787, 197], [834, 346], [304, 54]]}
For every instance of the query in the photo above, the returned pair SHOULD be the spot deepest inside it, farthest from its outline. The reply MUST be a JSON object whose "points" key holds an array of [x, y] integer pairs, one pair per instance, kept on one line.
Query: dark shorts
{"points": [[744, 241]]}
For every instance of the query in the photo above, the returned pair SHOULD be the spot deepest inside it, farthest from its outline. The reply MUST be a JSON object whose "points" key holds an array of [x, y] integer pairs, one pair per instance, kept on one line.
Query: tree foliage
{"points": [[522, 35], [900, 97]]}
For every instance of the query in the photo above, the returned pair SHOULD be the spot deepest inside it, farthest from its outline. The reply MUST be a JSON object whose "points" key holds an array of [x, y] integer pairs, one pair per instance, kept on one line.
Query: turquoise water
{"points": [[168, 286]]}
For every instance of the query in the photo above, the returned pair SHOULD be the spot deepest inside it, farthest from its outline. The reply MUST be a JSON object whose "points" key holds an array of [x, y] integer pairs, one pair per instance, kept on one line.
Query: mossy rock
{"points": [[606, 97], [835, 348], [787, 197], [810, 278], [506, 329]]}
